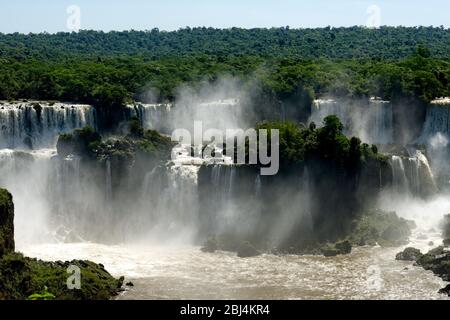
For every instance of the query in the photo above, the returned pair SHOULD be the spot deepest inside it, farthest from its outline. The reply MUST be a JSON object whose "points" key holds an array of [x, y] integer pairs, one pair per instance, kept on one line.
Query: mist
{"points": [[186, 199]]}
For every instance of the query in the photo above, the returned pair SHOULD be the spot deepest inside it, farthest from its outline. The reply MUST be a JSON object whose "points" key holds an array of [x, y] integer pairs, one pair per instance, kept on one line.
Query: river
{"points": [[184, 272]]}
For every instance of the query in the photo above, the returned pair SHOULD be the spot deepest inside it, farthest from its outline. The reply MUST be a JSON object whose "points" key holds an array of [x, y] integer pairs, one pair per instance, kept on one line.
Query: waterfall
{"points": [[413, 175], [399, 175], [108, 181], [371, 120], [152, 116], [437, 120], [26, 175], [380, 122], [436, 136], [221, 114], [325, 107], [258, 185], [36, 124]]}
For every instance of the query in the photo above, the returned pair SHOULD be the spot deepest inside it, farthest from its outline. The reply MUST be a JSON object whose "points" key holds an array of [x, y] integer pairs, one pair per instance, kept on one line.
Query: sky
{"points": [[59, 15]]}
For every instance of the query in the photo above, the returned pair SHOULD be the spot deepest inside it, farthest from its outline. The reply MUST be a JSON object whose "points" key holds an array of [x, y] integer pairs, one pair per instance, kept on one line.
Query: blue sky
{"points": [[51, 16]]}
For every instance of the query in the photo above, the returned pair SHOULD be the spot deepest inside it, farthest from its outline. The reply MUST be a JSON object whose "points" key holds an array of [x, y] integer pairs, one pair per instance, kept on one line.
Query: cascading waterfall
{"points": [[399, 175], [436, 136], [36, 124], [380, 122], [89, 199], [152, 116], [372, 120], [221, 114], [413, 175], [26, 175], [437, 119]]}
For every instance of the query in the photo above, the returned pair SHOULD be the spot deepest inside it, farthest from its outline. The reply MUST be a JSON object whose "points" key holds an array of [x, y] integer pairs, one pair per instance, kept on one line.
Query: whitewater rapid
{"points": [[187, 273], [184, 272]]}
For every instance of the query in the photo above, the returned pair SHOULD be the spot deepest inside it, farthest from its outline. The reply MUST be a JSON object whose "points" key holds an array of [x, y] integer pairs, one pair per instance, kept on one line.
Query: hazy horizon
{"points": [[51, 17]]}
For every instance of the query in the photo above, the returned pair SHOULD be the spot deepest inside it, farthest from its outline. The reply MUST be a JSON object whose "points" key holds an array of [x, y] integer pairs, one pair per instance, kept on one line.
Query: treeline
{"points": [[332, 43], [112, 81]]}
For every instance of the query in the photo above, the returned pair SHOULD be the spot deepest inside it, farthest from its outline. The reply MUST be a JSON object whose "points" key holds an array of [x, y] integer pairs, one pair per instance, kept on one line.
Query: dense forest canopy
{"points": [[332, 43], [110, 68]]}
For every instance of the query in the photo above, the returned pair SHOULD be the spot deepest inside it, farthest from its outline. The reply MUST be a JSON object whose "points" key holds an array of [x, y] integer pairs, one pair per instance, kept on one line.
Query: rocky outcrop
{"points": [[247, 250], [6, 223], [409, 254], [437, 260], [381, 227], [341, 247]]}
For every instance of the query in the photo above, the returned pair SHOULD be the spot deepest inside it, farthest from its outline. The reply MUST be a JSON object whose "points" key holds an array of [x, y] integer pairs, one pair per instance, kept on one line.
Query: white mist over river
{"points": [[184, 272]]}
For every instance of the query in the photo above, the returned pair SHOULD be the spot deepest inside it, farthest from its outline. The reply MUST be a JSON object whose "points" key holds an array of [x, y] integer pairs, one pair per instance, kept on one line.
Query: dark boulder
{"points": [[445, 290], [341, 247], [247, 250], [409, 254]]}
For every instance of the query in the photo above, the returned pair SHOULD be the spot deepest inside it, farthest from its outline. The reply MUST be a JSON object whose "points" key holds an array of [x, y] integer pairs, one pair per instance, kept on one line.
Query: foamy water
{"points": [[186, 273]]}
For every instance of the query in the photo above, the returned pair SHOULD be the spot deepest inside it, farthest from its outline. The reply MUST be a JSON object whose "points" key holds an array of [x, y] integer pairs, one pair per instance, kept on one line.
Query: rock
{"points": [[129, 284], [445, 290], [246, 250], [329, 251], [438, 261], [210, 245], [431, 243], [120, 282], [6, 223], [344, 247], [341, 247], [409, 254], [446, 242], [382, 227]]}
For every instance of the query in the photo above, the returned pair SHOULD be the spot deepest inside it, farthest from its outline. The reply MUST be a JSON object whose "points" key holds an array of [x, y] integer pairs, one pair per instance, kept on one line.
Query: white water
{"points": [[183, 272], [436, 136], [218, 114], [413, 175], [371, 121], [37, 124]]}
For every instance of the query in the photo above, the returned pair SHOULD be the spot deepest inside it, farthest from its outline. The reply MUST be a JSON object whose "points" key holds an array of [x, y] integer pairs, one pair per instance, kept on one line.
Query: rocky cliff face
{"points": [[6, 223]]}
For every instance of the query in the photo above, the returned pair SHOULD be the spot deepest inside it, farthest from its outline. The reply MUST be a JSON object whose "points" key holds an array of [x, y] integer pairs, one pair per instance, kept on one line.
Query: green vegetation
{"points": [[108, 69], [88, 144], [43, 295], [6, 223], [27, 278], [334, 43], [300, 144], [82, 142]]}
